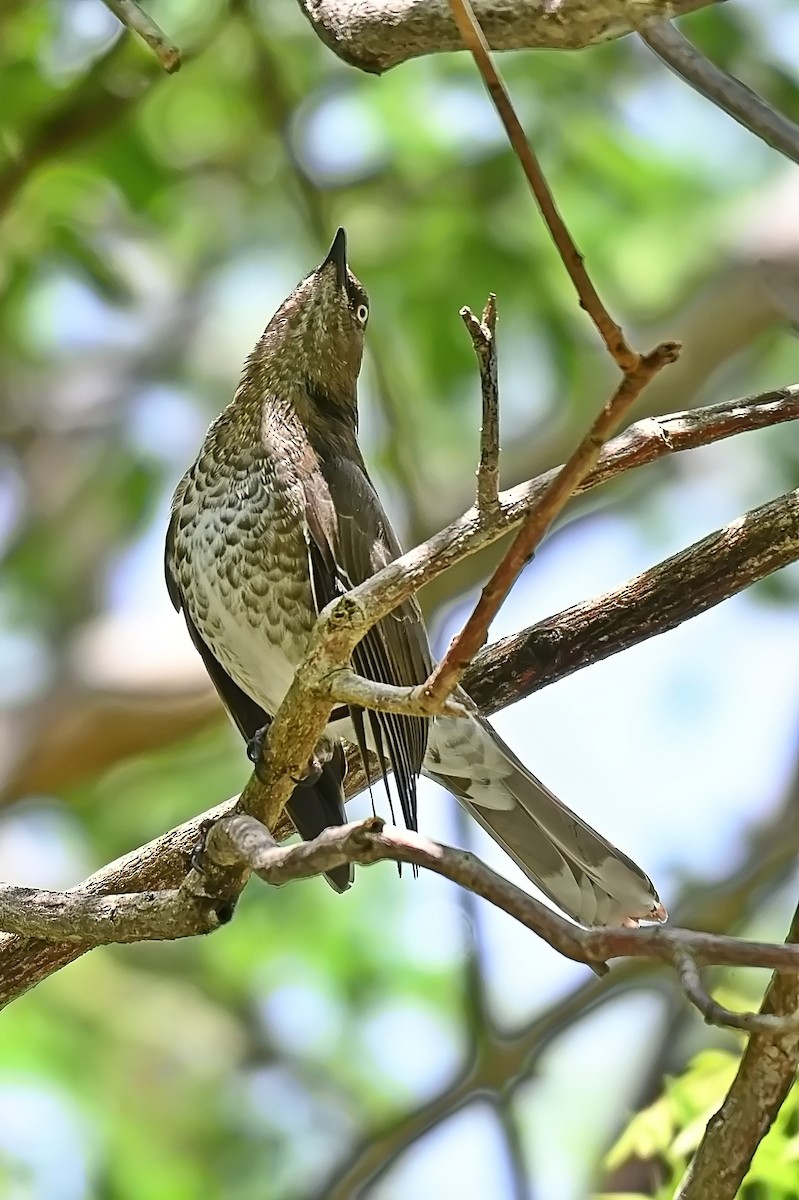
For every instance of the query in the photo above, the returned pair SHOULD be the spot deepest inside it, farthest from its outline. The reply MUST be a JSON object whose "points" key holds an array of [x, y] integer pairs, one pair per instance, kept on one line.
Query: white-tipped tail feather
{"points": [[579, 870]]}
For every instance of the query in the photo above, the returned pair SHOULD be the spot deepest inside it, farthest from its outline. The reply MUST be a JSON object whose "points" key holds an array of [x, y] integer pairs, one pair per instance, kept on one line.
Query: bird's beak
{"points": [[337, 257]]}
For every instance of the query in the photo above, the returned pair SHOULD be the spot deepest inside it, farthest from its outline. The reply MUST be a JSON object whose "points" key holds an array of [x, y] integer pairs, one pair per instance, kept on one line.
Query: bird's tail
{"points": [[573, 865]]}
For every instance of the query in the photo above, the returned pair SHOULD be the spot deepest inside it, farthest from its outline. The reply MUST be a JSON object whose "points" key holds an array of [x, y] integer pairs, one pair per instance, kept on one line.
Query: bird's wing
{"points": [[311, 808], [350, 538]]}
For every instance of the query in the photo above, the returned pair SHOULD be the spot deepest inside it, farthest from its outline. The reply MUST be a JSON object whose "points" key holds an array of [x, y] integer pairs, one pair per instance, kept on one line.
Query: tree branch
{"points": [[765, 1075], [720, 907], [99, 920], [721, 89], [717, 1014], [378, 36], [136, 19], [163, 863], [683, 586], [549, 505], [241, 843]]}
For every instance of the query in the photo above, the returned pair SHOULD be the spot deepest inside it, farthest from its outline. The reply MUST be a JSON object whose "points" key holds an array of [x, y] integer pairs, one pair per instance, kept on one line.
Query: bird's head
{"points": [[315, 339]]}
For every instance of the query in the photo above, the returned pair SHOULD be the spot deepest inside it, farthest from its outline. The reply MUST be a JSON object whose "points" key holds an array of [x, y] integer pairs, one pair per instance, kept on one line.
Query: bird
{"points": [[278, 516]]}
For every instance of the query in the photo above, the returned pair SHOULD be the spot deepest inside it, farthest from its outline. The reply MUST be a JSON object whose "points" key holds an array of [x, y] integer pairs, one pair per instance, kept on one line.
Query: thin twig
{"points": [[134, 18], [610, 332], [483, 335], [717, 1014], [723, 90], [448, 673]]}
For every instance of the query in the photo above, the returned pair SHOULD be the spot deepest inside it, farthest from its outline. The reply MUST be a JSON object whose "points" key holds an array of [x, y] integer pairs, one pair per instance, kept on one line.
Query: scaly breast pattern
{"points": [[241, 560]]}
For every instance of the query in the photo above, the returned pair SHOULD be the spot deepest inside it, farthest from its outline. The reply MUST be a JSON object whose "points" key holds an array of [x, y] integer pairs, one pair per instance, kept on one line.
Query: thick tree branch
{"points": [[164, 862], [765, 1076], [384, 33], [98, 920], [683, 586], [723, 90]]}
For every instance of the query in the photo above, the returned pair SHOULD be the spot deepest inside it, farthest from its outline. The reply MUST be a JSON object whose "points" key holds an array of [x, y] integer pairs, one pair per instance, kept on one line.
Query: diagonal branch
{"points": [[723, 90], [681, 587], [474, 39]]}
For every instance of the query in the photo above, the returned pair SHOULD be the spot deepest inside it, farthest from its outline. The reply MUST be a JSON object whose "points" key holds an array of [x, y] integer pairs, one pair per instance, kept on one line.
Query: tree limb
{"points": [[771, 849], [721, 89], [241, 843], [683, 586], [99, 920], [384, 33]]}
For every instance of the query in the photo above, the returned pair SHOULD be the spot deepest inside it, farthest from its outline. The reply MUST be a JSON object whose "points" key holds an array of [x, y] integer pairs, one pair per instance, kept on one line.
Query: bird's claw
{"points": [[255, 750]]}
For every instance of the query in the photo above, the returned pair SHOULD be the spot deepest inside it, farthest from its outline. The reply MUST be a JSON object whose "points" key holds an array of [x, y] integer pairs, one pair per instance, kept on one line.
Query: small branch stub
{"points": [[483, 335]]}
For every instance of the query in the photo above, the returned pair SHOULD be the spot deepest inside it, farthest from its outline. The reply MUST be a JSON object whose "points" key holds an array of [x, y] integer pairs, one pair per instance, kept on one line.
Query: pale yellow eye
{"points": [[362, 313]]}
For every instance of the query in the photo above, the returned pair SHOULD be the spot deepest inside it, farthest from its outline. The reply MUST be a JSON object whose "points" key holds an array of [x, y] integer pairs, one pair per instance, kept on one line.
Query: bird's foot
{"points": [[312, 772], [316, 764], [255, 750]]}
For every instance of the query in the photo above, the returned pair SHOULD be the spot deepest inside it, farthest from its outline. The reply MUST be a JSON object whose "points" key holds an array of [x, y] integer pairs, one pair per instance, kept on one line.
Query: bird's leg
{"points": [[255, 749], [313, 768]]}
